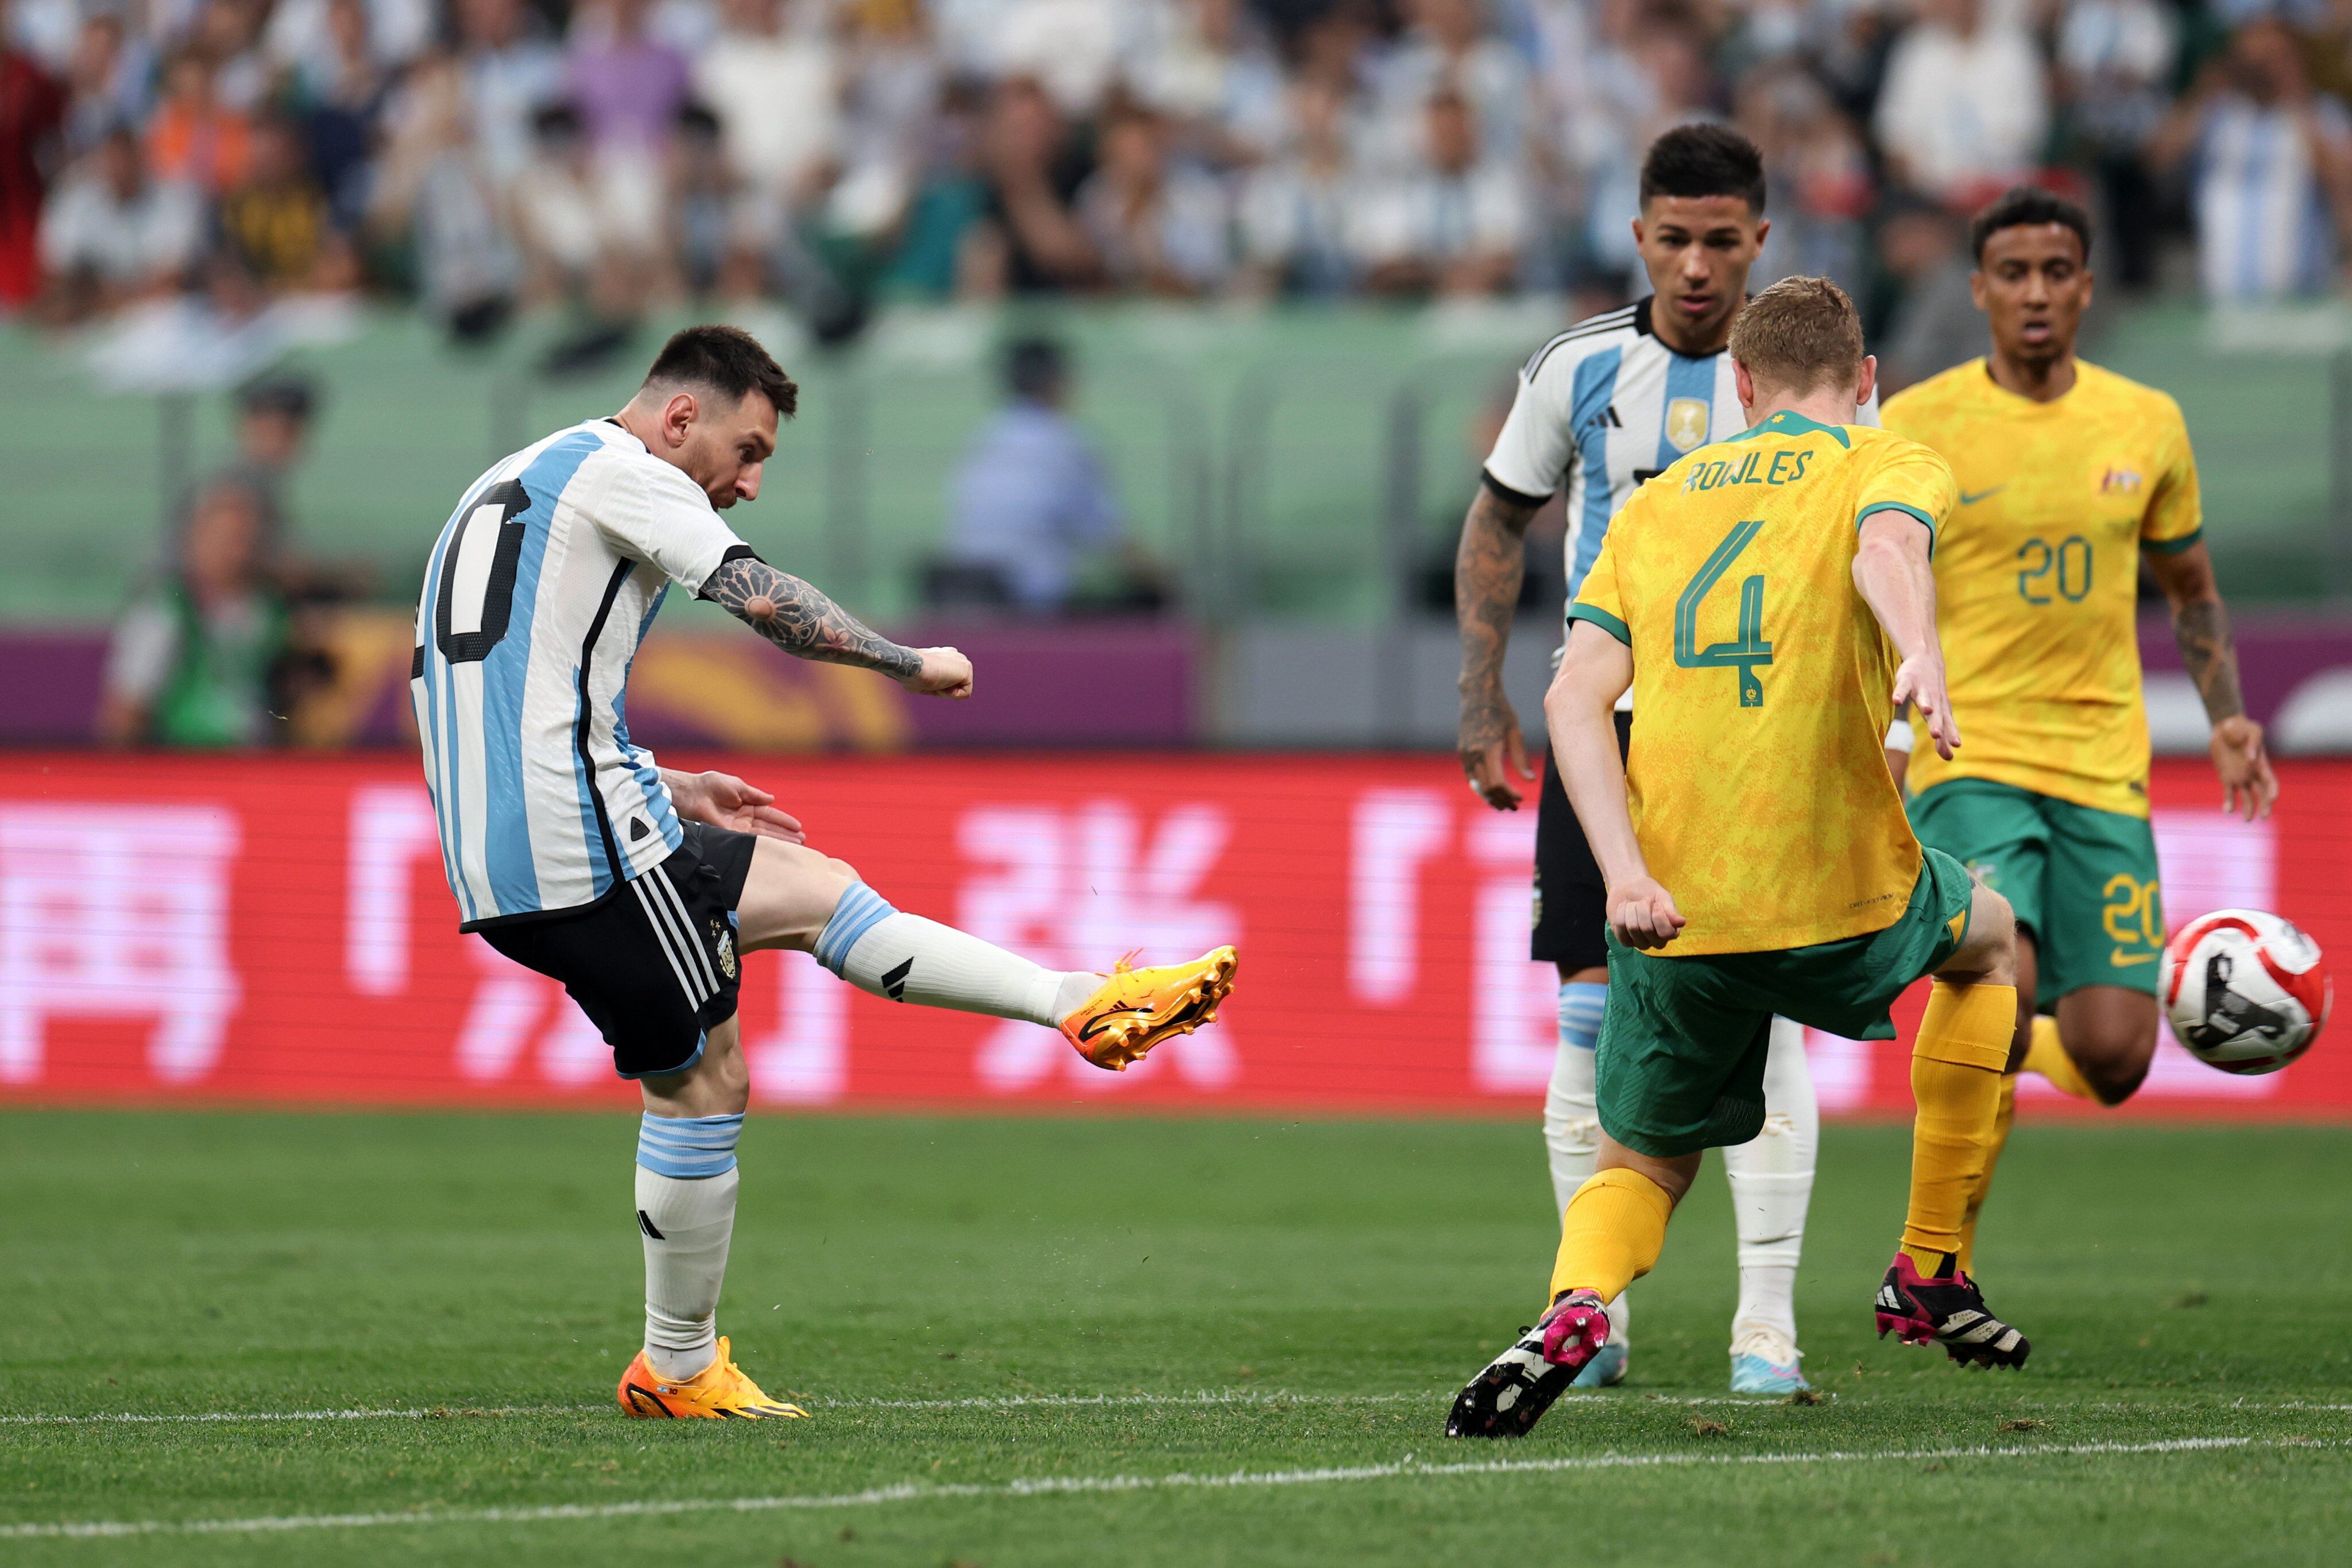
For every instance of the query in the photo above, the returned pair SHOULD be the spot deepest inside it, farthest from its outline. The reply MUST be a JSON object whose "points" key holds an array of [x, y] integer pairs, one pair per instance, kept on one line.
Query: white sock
{"points": [[1571, 1115], [686, 1214], [910, 959], [1772, 1186]]}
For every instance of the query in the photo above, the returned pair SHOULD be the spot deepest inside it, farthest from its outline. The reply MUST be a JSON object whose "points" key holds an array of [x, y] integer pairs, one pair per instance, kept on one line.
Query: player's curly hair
{"points": [[1800, 334], [2029, 206], [726, 361], [1704, 161]]}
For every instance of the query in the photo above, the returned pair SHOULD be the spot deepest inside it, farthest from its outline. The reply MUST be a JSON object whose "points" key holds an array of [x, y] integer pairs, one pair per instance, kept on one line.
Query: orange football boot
{"points": [[719, 1392], [1134, 1009]]}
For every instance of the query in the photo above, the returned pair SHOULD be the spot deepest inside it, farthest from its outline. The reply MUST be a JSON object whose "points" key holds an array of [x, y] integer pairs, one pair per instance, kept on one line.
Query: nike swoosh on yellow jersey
{"points": [[2121, 958], [1969, 500]]}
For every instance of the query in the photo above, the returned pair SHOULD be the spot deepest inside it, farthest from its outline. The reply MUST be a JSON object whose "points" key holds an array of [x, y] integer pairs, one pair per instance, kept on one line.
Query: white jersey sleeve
{"points": [[651, 511], [1536, 445]]}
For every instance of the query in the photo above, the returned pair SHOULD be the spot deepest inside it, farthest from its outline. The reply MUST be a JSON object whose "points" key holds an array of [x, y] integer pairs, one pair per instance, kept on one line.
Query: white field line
{"points": [[1204, 1397], [1049, 1486]]}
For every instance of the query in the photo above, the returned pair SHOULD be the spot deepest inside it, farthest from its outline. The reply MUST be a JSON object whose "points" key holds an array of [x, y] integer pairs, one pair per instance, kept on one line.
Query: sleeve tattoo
{"points": [[1487, 571], [2201, 629], [801, 621]]}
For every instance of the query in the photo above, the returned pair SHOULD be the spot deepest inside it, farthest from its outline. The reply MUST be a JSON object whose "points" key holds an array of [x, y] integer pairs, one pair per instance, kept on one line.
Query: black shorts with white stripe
{"points": [[654, 964]]}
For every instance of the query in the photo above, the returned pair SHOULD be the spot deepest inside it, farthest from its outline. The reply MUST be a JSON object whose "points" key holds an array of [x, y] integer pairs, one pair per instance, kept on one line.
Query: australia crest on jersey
{"points": [[2119, 481], [1686, 419]]}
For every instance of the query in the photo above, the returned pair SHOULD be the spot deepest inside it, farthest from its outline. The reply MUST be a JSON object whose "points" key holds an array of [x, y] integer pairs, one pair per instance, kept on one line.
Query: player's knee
{"points": [[2113, 1056], [1988, 956]]}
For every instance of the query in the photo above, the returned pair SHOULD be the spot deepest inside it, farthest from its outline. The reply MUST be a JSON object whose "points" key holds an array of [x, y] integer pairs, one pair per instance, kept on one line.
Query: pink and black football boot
{"points": [[1510, 1396], [1946, 1308]]}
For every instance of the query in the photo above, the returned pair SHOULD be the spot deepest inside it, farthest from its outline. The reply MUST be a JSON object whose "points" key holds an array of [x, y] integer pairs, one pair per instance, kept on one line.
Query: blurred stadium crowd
{"points": [[484, 156]]}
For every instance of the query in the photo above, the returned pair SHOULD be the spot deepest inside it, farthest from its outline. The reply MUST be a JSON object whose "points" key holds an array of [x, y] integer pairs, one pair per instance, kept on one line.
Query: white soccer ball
{"points": [[2246, 991]]}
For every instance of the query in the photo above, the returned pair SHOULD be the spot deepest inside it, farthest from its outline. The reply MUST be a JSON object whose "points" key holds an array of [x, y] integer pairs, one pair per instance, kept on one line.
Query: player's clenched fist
{"points": [[945, 673], [1643, 914]]}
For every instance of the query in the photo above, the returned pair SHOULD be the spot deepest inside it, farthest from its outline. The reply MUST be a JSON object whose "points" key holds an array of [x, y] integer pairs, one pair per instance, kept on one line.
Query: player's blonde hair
{"points": [[1798, 335]]}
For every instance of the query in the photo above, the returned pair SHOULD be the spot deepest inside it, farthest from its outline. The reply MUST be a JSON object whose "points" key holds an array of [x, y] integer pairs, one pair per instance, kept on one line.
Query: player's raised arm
{"points": [[803, 622], [1891, 569], [2201, 626]]}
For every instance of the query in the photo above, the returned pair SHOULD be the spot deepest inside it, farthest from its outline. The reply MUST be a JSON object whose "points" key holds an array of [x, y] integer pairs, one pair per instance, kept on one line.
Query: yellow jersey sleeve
{"points": [[1909, 478], [1601, 600], [2176, 513]]}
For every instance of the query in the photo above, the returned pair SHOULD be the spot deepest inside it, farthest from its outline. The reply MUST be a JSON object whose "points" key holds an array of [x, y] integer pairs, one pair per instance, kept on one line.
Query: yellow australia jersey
{"points": [[2037, 574], [1762, 683]]}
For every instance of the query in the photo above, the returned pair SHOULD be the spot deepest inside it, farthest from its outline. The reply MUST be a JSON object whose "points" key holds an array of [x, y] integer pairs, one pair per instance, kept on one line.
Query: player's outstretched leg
{"points": [[1572, 1142], [795, 897], [1772, 1186], [1611, 1237], [1956, 1075]]}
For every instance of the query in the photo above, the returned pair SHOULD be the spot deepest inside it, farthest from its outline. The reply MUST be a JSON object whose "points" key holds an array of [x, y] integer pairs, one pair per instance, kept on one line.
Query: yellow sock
{"points": [[2046, 1055], [1956, 1072], [2000, 1125], [1611, 1233]]}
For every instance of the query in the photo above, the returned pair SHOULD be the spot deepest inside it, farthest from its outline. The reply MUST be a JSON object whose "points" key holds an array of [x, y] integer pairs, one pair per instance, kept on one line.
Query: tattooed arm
{"points": [[1488, 570], [803, 622], [2201, 626]]}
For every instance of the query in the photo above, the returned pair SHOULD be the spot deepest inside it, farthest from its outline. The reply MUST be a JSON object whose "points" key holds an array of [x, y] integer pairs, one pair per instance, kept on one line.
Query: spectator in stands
{"points": [[1158, 229], [32, 115], [1935, 325], [1029, 503], [774, 80], [228, 33], [720, 227], [193, 137], [1818, 170], [1294, 211], [274, 415], [1447, 47], [2271, 173], [1069, 48], [1212, 70], [1454, 227], [339, 92], [627, 84], [112, 235], [1029, 240], [511, 75], [106, 81], [2114, 60], [274, 219], [436, 188], [1964, 110], [194, 662]]}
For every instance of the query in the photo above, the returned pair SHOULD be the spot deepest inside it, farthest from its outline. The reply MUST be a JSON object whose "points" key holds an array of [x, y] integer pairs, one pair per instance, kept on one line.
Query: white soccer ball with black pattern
{"points": [[2246, 991]]}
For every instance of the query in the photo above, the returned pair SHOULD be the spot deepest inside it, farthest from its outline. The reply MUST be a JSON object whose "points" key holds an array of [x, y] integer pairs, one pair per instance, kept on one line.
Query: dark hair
{"points": [[1704, 161], [2029, 206], [1033, 367], [292, 396], [728, 361]]}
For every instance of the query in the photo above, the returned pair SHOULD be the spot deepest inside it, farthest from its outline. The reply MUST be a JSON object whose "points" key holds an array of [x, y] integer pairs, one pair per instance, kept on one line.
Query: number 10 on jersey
{"points": [[1748, 649]]}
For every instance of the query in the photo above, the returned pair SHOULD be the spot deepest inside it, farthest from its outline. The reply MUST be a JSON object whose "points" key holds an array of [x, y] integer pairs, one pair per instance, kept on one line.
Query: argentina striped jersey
{"points": [[536, 595], [1603, 407]]}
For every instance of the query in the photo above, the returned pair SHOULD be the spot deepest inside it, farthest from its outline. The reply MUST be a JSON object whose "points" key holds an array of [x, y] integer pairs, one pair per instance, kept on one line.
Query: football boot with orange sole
{"points": [[720, 1392], [1134, 1009]]}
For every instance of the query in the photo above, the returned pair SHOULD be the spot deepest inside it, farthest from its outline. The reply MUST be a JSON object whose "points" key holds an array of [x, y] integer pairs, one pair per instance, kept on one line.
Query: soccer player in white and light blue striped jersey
{"points": [[1599, 410], [570, 852]]}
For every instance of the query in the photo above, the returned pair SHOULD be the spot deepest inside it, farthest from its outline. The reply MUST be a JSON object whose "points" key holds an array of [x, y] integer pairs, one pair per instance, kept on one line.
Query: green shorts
{"points": [[2082, 880], [1681, 1060]]}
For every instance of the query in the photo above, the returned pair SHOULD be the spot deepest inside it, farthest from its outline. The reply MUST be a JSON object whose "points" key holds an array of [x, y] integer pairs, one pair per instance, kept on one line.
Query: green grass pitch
{"points": [[1112, 1341]]}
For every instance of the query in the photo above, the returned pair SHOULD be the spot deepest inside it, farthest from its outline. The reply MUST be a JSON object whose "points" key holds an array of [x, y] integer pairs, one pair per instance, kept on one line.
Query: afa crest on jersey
{"points": [[1687, 421]]}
